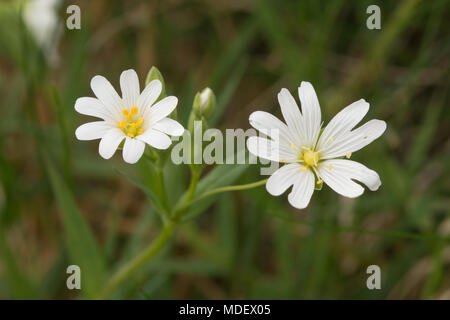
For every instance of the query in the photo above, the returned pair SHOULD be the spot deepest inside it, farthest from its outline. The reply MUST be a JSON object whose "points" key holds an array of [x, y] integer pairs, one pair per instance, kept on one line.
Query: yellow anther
{"points": [[331, 139], [349, 155], [304, 169], [320, 181], [311, 158], [330, 166], [292, 146], [283, 160], [122, 124], [131, 127]]}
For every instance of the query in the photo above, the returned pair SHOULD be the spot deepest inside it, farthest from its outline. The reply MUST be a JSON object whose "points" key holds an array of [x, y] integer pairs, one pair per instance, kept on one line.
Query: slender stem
{"points": [[163, 193], [152, 249], [183, 204], [168, 230], [226, 189]]}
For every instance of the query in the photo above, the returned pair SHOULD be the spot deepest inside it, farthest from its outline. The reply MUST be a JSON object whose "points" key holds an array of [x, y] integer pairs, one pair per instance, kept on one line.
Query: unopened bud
{"points": [[204, 103], [154, 74]]}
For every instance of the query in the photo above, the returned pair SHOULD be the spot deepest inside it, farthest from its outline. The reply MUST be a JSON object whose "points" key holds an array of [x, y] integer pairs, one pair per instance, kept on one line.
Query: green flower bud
{"points": [[204, 103], [154, 74]]}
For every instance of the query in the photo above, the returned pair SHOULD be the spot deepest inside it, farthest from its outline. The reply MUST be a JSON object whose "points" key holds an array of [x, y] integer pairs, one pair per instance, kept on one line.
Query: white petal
{"points": [[160, 110], [105, 92], [310, 112], [93, 107], [283, 178], [92, 130], [132, 150], [355, 140], [269, 125], [292, 116], [110, 141], [303, 189], [264, 148], [169, 126], [149, 95], [156, 139], [129, 85], [342, 123], [339, 177]]}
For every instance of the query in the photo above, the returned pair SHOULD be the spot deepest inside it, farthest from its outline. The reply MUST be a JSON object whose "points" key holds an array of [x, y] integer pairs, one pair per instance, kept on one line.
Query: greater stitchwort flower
{"points": [[312, 155], [135, 117]]}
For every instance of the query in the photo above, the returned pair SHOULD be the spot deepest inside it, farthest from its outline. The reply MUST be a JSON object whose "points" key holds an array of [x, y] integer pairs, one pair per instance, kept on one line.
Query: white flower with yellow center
{"points": [[311, 156], [135, 117]]}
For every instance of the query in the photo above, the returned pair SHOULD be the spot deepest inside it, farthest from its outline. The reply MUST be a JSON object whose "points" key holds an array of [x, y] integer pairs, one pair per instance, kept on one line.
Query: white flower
{"points": [[311, 155], [41, 19], [135, 117]]}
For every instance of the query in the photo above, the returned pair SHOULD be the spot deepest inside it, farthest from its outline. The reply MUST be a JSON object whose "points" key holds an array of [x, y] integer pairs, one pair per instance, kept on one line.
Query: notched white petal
{"points": [[106, 93], [129, 85], [169, 126], [339, 174], [303, 189], [282, 179], [92, 107], [342, 123], [92, 130], [269, 125], [291, 114], [156, 139], [149, 95], [110, 142], [132, 150], [356, 139], [264, 148], [311, 115], [160, 110]]}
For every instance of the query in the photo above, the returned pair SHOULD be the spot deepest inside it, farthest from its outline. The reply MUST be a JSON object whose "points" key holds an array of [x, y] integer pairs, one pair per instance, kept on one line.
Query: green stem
{"points": [[168, 230], [227, 189], [155, 246], [139, 260], [183, 204]]}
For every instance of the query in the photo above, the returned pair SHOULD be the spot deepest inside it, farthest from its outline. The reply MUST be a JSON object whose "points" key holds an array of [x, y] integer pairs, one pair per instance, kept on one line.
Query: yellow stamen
{"points": [[304, 169], [330, 166], [349, 155], [292, 146], [331, 139], [311, 158], [131, 127], [283, 160], [320, 181], [122, 124]]}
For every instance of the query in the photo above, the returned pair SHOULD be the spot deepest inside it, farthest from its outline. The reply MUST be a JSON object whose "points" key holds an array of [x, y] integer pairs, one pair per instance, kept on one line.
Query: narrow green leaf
{"points": [[82, 247]]}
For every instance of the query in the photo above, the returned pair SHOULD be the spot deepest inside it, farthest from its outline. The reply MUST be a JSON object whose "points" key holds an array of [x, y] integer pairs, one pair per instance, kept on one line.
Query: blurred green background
{"points": [[248, 244]]}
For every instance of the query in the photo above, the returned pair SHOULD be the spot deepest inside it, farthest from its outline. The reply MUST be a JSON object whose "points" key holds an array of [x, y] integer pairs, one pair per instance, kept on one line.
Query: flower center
{"points": [[311, 158], [131, 126]]}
